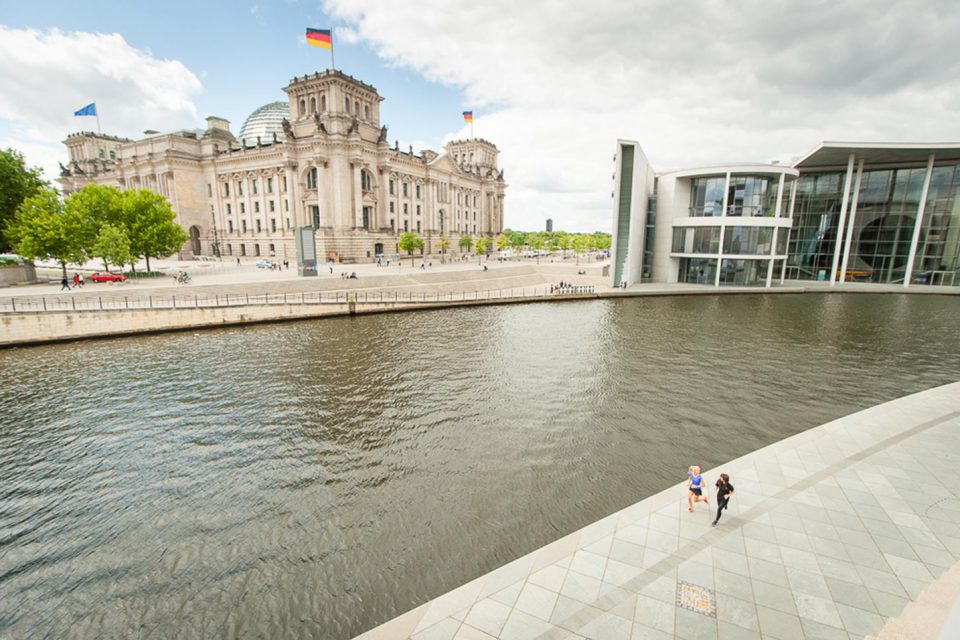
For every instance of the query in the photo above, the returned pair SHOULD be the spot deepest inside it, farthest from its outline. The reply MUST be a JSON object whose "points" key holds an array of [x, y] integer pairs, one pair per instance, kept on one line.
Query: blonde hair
{"points": [[694, 469]]}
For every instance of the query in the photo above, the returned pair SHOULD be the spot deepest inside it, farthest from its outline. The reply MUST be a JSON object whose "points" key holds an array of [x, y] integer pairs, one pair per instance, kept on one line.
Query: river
{"points": [[316, 478]]}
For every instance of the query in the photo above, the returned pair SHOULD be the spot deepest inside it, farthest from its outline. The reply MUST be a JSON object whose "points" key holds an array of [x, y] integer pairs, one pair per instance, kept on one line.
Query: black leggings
{"points": [[721, 505]]}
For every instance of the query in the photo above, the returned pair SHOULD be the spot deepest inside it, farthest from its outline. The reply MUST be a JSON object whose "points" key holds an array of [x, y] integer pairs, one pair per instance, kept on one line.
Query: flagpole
{"points": [[333, 60], [471, 127], [97, 113]]}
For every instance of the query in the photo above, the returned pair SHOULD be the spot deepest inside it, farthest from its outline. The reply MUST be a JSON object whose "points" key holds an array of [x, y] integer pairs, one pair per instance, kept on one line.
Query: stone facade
{"points": [[329, 166]]}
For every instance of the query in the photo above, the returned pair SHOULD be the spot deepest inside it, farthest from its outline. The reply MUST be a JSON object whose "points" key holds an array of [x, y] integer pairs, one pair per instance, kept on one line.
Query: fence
{"points": [[82, 302]]}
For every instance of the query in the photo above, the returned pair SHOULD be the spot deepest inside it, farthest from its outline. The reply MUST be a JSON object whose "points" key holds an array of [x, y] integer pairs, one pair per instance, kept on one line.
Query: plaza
{"points": [[831, 533]]}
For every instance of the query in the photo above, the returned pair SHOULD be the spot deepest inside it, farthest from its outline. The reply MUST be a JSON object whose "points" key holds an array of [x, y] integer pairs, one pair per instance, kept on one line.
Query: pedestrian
{"points": [[64, 284], [695, 489], [430, 264], [81, 280], [423, 266], [724, 491], [238, 262], [76, 280]]}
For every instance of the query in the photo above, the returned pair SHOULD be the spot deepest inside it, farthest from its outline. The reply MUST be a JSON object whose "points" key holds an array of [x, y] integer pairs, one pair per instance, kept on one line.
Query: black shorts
{"points": [[696, 491]]}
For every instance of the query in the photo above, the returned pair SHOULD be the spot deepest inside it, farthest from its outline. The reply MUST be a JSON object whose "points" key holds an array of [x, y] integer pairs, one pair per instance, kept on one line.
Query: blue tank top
{"points": [[695, 480]]}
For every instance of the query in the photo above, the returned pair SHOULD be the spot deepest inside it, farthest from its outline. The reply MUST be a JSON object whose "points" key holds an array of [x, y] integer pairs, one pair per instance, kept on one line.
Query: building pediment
{"points": [[444, 163]]}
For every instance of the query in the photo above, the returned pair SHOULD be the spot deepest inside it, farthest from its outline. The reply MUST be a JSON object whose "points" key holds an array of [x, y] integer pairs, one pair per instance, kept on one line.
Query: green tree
{"points": [[482, 245], [537, 240], [517, 239], [501, 241], [465, 242], [149, 225], [99, 203], [602, 240], [112, 246], [17, 183], [410, 242], [443, 245], [43, 228]]}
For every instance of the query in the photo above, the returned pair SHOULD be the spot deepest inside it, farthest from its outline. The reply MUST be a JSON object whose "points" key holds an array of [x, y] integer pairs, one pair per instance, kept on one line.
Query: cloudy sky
{"points": [[552, 83]]}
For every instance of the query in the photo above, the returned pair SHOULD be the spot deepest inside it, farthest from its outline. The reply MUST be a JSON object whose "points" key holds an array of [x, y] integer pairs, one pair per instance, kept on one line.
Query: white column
{"points": [[357, 198], [793, 199], [918, 225], [841, 221], [776, 231], [851, 223], [723, 228]]}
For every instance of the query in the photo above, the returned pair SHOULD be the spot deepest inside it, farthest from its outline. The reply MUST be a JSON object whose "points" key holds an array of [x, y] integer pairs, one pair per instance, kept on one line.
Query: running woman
{"points": [[695, 492], [724, 491]]}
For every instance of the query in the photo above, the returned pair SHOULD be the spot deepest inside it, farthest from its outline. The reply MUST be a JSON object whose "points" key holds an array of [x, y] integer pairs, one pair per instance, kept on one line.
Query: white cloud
{"points": [[554, 84], [47, 75]]}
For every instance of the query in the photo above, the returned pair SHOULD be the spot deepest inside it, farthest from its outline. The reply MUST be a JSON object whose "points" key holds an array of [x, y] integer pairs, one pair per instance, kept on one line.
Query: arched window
{"points": [[366, 112], [312, 178], [366, 181], [313, 105], [356, 108], [303, 106], [346, 105], [323, 103], [471, 158]]}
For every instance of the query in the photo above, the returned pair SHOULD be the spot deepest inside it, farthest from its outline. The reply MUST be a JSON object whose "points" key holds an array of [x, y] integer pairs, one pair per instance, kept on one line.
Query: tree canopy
{"points": [[100, 221], [465, 242], [17, 183], [43, 228]]}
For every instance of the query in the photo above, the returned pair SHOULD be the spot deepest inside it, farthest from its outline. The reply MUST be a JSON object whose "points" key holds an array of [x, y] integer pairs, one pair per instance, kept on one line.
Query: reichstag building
{"points": [[321, 159]]}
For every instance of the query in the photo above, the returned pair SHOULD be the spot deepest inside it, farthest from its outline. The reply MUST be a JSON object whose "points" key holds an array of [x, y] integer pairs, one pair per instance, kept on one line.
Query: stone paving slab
{"points": [[831, 532]]}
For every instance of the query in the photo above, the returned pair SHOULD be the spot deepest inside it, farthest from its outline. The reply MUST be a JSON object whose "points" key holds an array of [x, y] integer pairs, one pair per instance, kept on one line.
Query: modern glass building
{"points": [[845, 212]]}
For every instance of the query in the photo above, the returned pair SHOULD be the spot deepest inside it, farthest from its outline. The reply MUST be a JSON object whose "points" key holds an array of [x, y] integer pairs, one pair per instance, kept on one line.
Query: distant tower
{"points": [[549, 225]]}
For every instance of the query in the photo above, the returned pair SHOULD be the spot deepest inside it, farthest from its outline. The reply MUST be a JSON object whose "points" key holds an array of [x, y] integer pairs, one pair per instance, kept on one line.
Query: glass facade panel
{"points": [[698, 270], [782, 235], [938, 251], [751, 196], [748, 240], [816, 211], [744, 272], [883, 225], [696, 240], [706, 196]]}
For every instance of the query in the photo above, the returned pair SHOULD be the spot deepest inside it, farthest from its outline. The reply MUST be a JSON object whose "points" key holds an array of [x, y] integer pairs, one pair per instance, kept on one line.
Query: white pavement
{"points": [[831, 533]]}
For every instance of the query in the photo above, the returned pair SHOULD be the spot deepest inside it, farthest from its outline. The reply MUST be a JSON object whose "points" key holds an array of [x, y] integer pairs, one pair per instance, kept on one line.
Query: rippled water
{"points": [[318, 478]]}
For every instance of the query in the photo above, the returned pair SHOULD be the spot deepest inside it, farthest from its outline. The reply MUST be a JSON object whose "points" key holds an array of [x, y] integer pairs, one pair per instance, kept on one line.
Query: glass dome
{"points": [[264, 122]]}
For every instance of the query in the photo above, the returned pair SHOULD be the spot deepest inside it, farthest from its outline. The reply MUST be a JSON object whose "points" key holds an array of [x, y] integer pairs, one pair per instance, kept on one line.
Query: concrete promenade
{"points": [[831, 533]]}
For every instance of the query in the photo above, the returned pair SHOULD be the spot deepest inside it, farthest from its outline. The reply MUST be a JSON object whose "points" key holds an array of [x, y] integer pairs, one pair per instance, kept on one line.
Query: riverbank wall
{"points": [[49, 326]]}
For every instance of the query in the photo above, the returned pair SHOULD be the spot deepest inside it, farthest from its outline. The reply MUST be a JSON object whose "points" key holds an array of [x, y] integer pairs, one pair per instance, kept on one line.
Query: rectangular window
{"points": [[269, 185], [209, 190], [229, 249], [405, 193], [315, 214], [243, 226], [418, 209], [243, 249], [270, 202], [256, 207], [273, 224], [418, 226], [228, 209], [253, 183], [284, 184], [243, 207], [406, 209], [393, 226], [256, 249], [230, 226], [113, 155], [366, 217], [418, 191], [239, 187], [391, 187], [288, 223], [286, 205], [226, 189], [101, 154], [406, 226], [391, 207]]}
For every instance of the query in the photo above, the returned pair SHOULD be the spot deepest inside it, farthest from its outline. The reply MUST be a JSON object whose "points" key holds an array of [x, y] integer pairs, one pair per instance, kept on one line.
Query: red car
{"points": [[108, 277]]}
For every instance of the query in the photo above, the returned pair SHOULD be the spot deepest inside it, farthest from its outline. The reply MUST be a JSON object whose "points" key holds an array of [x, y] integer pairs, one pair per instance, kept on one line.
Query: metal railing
{"points": [[131, 303]]}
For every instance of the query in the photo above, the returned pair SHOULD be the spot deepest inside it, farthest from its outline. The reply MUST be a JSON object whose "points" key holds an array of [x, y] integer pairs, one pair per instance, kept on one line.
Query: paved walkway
{"points": [[831, 532]]}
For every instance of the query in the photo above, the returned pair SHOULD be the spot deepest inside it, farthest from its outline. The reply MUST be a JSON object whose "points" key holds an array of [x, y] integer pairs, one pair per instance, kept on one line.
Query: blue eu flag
{"points": [[89, 110]]}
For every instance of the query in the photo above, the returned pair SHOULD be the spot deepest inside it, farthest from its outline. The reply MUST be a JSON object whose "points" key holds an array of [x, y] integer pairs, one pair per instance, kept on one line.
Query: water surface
{"points": [[318, 478]]}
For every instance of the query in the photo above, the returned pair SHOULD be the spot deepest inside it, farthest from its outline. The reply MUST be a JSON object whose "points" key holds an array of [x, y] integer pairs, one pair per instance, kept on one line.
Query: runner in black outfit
{"points": [[724, 491]]}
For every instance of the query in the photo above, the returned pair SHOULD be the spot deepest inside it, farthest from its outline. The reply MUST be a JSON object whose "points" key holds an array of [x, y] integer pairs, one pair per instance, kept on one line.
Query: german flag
{"points": [[468, 116], [319, 38]]}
